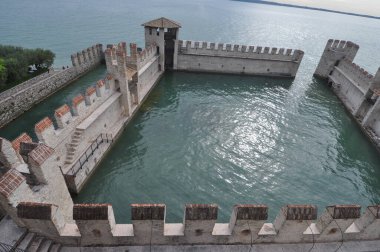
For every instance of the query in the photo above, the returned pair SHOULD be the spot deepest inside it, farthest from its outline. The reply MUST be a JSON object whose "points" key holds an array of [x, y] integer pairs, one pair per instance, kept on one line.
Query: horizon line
{"points": [[308, 8]]}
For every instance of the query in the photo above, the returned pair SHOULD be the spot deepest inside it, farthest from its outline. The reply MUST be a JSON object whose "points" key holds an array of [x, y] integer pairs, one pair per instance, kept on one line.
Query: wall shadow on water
{"points": [[358, 158]]}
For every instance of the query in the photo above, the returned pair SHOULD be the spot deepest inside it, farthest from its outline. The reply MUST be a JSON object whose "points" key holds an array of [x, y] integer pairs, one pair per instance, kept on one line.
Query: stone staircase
{"points": [[72, 146], [14, 238]]}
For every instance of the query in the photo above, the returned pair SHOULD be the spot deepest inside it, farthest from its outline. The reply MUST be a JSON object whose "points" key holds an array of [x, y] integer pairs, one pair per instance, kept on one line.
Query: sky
{"points": [[367, 7]]}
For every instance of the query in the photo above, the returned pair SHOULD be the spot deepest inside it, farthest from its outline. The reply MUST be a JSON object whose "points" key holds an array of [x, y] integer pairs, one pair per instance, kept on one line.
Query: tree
{"points": [[16, 60], [40, 58], [3, 72]]}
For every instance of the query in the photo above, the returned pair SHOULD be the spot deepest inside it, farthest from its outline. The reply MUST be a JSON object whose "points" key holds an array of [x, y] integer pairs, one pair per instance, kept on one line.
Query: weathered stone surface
{"points": [[90, 212], [31, 210], [148, 211]]}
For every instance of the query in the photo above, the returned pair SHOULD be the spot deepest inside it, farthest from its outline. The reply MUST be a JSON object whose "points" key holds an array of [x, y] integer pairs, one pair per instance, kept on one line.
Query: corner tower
{"points": [[163, 33]]}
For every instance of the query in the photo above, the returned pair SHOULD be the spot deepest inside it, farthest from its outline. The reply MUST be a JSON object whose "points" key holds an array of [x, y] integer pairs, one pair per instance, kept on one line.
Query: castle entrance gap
{"points": [[170, 36]]}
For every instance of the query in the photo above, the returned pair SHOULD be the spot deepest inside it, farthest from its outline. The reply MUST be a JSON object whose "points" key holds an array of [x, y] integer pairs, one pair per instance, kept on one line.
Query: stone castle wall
{"points": [[19, 99], [237, 59], [357, 89], [34, 190]]}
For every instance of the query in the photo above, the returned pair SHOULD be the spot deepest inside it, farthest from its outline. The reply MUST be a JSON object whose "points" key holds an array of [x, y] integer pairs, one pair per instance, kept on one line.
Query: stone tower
{"points": [[163, 33], [335, 51]]}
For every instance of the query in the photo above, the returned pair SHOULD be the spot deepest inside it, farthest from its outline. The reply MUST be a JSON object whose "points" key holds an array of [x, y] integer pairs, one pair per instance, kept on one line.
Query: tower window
{"points": [[150, 31]]}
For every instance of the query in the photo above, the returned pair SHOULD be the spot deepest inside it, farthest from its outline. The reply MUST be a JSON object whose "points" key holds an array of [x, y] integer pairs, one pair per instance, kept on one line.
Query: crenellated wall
{"points": [[34, 189], [35, 179], [146, 55], [335, 50], [237, 59], [356, 88], [94, 113], [94, 224], [21, 98]]}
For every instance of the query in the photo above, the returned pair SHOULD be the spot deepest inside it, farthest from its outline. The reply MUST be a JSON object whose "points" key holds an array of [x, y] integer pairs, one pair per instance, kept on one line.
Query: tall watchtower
{"points": [[163, 32]]}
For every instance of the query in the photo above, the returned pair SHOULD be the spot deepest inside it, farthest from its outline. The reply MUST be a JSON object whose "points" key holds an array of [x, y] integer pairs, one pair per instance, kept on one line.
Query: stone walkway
{"points": [[363, 246]]}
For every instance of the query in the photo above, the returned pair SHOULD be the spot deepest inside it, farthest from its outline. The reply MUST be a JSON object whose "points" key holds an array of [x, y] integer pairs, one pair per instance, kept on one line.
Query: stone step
{"points": [[10, 233], [24, 244], [37, 241], [45, 246], [55, 248]]}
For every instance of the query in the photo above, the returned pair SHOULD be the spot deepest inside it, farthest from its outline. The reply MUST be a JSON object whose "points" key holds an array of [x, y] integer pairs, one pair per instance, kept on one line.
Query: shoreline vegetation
{"points": [[19, 64], [307, 8]]}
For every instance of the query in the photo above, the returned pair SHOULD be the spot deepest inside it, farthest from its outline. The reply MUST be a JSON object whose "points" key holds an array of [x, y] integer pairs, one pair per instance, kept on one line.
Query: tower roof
{"points": [[162, 23]]}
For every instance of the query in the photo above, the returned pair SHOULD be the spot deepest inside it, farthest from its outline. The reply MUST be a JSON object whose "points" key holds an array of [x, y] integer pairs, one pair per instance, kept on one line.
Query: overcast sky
{"points": [[368, 7]]}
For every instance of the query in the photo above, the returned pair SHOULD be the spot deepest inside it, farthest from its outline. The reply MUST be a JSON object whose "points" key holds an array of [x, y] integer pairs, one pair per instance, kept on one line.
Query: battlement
{"points": [[241, 51], [237, 59], [358, 71], [361, 78], [146, 55], [293, 224], [341, 46], [22, 138], [335, 51], [87, 56], [64, 116], [9, 182]]}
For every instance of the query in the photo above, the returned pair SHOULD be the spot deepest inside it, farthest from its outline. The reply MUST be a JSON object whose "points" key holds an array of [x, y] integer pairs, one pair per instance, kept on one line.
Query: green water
{"points": [[26, 122], [227, 139], [215, 138]]}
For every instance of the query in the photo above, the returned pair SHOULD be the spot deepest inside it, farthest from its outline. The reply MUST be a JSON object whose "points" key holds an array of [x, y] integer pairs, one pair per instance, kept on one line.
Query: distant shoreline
{"points": [[306, 7]]}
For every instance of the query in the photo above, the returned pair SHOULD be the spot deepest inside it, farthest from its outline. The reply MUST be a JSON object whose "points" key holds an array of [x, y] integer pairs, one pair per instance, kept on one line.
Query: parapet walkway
{"points": [[27, 84], [362, 246]]}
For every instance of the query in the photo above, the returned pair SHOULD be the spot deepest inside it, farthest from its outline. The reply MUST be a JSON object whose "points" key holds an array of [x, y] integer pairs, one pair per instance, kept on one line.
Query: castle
{"points": [[35, 189]]}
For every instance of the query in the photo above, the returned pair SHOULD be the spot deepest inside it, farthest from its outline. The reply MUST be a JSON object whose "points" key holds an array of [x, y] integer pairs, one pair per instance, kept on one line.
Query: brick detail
{"points": [[36, 211], [201, 212], [41, 153], [61, 111], [77, 99], [100, 83], [148, 211], [10, 181], [251, 212], [90, 212], [22, 138], [90, 91], [43, 124], [346, 211], [301, 212]]}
